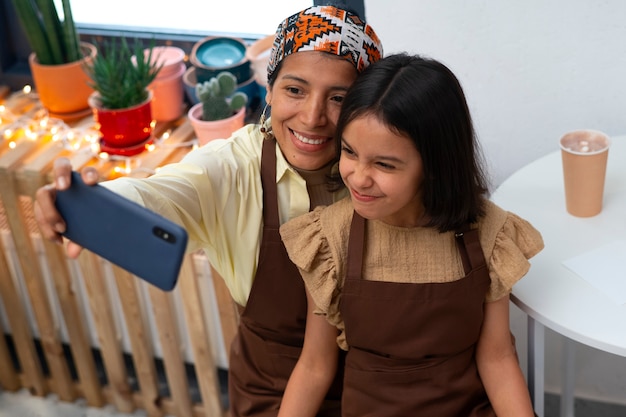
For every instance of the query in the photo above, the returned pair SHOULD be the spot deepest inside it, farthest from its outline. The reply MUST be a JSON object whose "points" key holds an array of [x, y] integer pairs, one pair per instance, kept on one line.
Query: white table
{"points": [[550, 294]]}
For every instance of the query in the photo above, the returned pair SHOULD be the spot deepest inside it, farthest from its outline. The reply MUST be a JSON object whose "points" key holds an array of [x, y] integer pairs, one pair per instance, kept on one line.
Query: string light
{"points": [[23, 117]]}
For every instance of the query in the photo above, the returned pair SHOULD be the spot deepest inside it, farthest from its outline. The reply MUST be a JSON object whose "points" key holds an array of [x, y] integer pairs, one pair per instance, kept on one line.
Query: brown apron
{"points": [[412, 346], [271, 330]]}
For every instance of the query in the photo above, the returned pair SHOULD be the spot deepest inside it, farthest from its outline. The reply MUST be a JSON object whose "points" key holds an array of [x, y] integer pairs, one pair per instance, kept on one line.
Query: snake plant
{"points": [[53, 40]]}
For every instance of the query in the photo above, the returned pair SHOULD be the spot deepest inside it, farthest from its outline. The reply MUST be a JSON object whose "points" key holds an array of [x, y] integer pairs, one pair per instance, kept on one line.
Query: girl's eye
{"points": [[347, 150], [386, 165], [293, 90], [338, 99]]}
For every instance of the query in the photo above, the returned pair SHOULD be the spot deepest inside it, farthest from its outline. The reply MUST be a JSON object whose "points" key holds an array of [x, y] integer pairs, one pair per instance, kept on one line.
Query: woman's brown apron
{"points": [[271, 330], [412, 346]]}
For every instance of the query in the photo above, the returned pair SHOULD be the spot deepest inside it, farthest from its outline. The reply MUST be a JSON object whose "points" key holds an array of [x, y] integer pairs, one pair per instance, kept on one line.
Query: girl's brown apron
{"points": [[271, 330], [412, 346]]}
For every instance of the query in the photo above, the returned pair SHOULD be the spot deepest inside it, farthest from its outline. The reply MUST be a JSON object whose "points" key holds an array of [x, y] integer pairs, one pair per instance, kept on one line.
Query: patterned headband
{"points": [[327, 29]]}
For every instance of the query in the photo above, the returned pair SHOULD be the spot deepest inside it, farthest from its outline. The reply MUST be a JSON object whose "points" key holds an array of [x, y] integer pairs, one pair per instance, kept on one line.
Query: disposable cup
{"points": [[584, 154]]}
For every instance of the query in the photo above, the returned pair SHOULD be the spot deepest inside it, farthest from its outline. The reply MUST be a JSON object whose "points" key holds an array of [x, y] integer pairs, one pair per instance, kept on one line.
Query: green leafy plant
{"points": [[218, 100], [53, 40], [121, 74]]}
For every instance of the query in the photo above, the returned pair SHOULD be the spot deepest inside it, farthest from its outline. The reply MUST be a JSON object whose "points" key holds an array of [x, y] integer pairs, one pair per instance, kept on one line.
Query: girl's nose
{"points": [[360, 176]]}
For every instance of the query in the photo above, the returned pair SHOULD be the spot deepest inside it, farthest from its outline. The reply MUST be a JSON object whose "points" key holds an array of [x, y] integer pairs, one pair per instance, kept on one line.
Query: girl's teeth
{"points": [[308, 140]]}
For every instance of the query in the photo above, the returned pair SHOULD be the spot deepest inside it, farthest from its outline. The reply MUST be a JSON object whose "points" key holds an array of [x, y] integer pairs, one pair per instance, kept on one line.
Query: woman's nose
{"points": [[314, 112]]}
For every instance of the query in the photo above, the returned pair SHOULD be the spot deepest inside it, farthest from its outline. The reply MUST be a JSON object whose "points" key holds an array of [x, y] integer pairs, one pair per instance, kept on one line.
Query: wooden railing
{"points": [[87, 329]]}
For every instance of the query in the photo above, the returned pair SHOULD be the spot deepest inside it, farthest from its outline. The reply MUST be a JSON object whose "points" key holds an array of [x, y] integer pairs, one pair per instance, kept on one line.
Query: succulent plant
{"points": [[53, 40], [121, 74], [218, 100]]}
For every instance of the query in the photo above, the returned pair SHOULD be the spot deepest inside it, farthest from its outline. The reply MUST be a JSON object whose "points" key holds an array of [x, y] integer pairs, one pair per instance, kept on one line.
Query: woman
{"points": [[411, 274], [232, 195]]}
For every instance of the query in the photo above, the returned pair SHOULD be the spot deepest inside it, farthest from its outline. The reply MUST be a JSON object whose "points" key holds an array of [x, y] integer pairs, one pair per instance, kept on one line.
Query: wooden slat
{"points": [[206, 369], [21, 332], [108, 338], [165, 316], [142, 352], [75, 324], [50, 338], [9, 379]]}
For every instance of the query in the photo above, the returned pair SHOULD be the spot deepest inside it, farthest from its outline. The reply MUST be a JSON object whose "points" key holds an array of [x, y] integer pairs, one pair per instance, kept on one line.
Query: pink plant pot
{"points": [[207, 131], [168, 95], [171, 57]]}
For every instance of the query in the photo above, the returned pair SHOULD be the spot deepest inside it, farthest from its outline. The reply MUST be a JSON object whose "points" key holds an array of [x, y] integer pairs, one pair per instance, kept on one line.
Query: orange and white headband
{"points": [[326, 29]]}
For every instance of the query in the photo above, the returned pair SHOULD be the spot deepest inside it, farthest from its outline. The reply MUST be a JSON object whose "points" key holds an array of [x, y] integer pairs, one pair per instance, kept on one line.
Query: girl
{"points": [[411, 275]]}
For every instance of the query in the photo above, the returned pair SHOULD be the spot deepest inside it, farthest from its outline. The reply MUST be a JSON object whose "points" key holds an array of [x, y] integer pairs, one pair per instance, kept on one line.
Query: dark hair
{"points": [[421, 98]]}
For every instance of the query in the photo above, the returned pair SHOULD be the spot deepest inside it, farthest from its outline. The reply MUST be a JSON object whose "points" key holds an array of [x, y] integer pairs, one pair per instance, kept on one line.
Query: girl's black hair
{"points": [[422, 99]]}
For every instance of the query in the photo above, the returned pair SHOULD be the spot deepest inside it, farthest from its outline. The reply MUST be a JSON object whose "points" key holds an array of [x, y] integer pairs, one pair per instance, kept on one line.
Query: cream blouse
{"points": [[317, 243]]}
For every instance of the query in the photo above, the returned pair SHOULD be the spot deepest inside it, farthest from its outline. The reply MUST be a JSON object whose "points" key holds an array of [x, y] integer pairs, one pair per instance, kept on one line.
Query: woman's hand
{"points": [[48, 218]]}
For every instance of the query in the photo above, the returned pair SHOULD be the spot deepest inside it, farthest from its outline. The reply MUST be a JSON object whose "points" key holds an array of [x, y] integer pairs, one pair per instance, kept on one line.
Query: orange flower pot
{"points": [[64, 89]]}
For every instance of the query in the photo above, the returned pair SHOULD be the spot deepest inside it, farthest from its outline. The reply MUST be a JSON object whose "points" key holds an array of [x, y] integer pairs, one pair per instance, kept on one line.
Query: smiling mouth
{"points": [[309, 141], [362, 197]]}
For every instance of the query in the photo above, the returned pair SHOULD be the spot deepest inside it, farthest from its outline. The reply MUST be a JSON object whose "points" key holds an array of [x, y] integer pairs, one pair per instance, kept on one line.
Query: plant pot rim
{"points": [[95, 103], [89, 51], [196, 115], [196, 49]]}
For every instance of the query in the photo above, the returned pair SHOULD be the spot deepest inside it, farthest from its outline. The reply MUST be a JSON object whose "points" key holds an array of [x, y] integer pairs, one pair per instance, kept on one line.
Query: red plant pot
{"points": [[123, 131]]}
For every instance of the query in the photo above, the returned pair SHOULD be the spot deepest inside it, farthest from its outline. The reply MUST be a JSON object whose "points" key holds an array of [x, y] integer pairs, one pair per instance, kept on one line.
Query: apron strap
{"points": [[356, 245], [268, 181], [468, 244]]}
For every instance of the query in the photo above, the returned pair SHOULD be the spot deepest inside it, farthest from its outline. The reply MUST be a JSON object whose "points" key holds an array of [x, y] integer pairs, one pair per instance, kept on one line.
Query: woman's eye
{"points": [[293, 90], [338, 99]]}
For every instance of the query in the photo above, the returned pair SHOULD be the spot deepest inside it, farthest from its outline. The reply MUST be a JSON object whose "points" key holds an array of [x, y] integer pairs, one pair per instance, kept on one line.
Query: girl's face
{"points": [[383, 171], [306, 98]]}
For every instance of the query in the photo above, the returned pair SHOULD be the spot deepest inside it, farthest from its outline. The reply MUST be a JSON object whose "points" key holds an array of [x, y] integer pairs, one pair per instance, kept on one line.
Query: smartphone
{"points": [[121, 231]]}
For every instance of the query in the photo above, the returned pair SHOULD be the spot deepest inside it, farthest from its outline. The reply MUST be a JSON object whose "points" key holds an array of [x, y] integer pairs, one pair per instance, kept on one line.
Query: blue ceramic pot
{"points": [[213, 55]]}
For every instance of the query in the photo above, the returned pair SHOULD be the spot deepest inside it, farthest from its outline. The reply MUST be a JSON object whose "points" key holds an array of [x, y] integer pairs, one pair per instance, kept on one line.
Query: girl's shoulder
{"points": [[508, 242], [499, 225]]}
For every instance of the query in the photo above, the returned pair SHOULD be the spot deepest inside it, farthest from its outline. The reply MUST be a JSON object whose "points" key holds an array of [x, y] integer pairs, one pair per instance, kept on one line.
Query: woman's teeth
{"points": [[309, 141]]}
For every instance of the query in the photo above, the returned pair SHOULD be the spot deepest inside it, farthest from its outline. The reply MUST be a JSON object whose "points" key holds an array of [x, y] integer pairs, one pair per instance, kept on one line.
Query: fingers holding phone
{"points": [[50, 222]]}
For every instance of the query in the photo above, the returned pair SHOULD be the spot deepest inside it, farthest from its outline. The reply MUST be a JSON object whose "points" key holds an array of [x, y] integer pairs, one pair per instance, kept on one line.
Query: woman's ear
{"points": [[268, 94]]}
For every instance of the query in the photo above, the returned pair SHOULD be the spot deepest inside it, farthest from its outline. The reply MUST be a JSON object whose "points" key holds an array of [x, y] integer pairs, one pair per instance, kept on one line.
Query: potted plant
{"points": [[58, 57], [221, 109], [120, 75]]}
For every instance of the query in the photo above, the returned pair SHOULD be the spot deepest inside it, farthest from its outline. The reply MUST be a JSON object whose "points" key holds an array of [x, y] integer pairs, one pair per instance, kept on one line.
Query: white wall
{"points": [[531, 71]]}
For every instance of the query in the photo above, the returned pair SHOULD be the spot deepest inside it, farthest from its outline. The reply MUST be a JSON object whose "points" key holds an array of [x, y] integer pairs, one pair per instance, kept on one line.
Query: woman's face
{"points": [[306, 98], [383, 171]]}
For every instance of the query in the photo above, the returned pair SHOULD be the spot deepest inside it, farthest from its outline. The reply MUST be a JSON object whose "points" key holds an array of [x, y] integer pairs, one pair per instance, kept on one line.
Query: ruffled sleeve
{"points": [[315, 243], [516, 241]]}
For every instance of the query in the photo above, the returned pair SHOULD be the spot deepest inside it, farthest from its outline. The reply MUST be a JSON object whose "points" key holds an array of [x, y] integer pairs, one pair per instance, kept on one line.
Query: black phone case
{"points": [[123, 232]]}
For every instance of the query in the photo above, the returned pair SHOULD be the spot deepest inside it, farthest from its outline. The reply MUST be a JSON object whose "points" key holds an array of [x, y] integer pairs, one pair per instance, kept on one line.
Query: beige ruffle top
{"points": [[317, 243]]}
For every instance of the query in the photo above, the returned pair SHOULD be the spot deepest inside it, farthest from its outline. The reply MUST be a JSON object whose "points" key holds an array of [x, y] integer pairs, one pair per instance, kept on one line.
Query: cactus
{"points": [[218, 100]]}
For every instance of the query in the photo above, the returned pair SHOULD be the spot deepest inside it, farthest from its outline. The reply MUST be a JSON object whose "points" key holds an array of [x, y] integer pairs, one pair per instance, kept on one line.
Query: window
{"points": [[242, 18], [192, 20]]}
